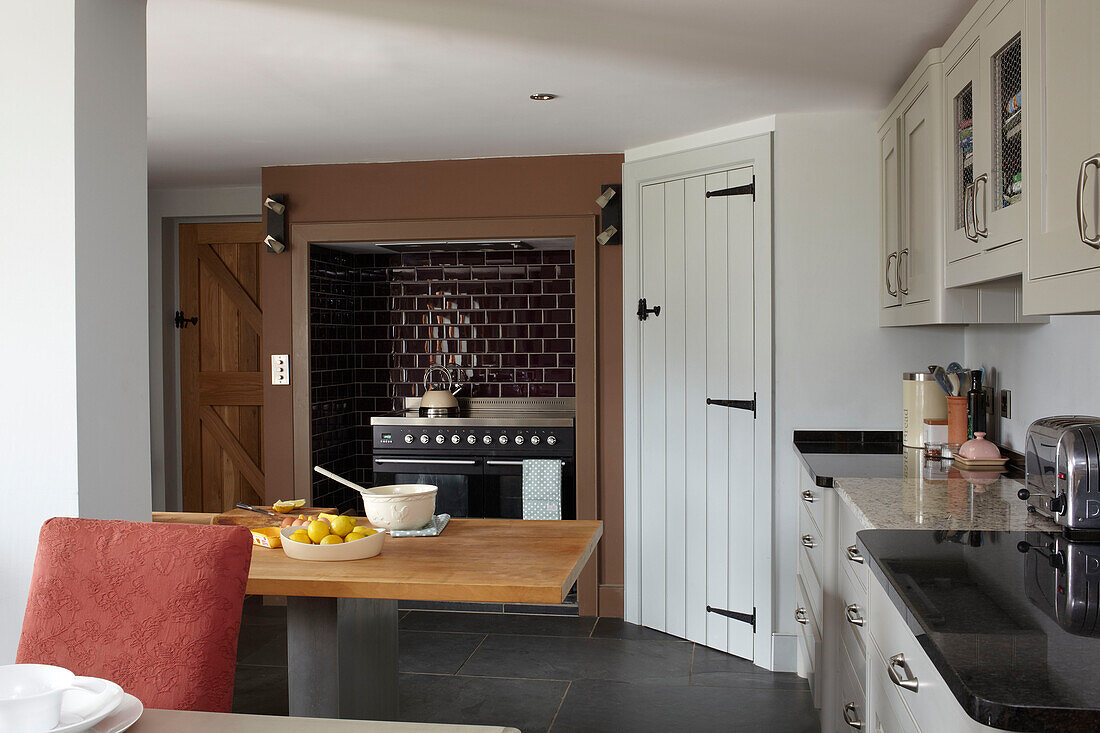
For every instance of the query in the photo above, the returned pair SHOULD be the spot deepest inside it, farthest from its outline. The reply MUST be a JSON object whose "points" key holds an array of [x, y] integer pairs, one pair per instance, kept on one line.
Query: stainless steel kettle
{"points": [[439, 402]]}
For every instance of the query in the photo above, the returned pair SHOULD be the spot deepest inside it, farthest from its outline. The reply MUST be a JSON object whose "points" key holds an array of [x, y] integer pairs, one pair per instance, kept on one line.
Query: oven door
{"points": [[459, 478], [504, 485]]}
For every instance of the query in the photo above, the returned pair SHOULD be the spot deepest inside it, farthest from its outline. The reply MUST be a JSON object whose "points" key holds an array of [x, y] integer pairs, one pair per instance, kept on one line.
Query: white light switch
{"points": [[280, 369]]}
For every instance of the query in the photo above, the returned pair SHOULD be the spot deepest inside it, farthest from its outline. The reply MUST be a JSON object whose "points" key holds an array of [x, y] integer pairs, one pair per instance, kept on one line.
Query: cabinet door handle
{"points": [[968, 212], [808, 496], [893, 256], [853, 554], [851, 612], [905, 290], [808, 541], [909, 682], [851, 717], [984, 180], [800, 616], [1082, 223]]}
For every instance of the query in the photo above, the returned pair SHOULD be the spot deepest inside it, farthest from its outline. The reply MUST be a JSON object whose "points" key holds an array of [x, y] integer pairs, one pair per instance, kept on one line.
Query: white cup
{"points": [[31, 696]]}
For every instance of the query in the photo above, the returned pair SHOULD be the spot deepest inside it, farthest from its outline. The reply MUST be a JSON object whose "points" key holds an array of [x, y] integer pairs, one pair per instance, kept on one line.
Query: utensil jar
{"points": [[956, 419]]}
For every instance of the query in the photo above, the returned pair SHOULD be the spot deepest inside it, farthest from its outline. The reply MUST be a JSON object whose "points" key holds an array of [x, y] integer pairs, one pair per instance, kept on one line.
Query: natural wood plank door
{"points": [[220, 376]]}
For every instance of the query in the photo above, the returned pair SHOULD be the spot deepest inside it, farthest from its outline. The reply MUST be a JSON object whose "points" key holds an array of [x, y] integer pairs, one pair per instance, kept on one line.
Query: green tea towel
{"points": [[542, 488]]}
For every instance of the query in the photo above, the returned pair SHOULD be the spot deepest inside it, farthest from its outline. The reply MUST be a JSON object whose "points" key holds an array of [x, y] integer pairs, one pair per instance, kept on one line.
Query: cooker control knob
{"points": [[455, 438], [535, 440], [439, 439], [519, 440], [503, 440], [471, 439], [424, 439], [551, 440], [409, 438], [487, 439]]}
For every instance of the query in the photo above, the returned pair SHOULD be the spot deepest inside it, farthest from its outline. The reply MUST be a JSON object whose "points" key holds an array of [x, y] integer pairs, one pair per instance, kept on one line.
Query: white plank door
{"points": [[697, 461]]}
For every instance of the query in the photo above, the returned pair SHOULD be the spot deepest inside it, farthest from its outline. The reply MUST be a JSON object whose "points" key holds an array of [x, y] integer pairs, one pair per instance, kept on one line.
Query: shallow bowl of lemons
{"points": [[341, 538]]}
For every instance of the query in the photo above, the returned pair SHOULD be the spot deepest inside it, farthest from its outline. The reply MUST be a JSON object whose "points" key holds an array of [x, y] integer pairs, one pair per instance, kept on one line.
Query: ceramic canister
{"points": [[921, 399]]}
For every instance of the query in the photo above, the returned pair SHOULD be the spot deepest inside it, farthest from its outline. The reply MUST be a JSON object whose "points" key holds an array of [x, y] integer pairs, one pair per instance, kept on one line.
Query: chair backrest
{"points": [[155, 608]]}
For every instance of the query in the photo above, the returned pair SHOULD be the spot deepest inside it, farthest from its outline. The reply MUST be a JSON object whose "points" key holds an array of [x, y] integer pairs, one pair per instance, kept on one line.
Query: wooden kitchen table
{"points": [[342, 616]]}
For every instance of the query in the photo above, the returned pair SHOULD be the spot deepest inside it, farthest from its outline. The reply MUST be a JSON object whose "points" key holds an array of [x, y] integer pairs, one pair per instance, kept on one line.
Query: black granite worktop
{"points": [[1010, 619], [827, 454]]}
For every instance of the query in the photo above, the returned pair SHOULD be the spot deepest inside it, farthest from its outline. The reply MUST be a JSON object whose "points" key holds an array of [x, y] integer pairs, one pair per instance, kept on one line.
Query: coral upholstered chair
{"points": [[155, 608]]}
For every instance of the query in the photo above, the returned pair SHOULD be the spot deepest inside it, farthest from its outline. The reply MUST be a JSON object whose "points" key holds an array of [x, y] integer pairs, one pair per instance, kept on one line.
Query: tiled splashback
{"points": [[504, 322]]}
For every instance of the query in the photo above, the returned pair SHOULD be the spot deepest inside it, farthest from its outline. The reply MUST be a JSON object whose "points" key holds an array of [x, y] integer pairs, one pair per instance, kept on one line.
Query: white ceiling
{"points": [[238, 84]]}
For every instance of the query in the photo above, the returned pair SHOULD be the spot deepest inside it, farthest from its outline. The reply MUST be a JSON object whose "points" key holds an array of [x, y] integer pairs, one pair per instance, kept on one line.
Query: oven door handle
{"points": [[428, 461], [511, 463]]}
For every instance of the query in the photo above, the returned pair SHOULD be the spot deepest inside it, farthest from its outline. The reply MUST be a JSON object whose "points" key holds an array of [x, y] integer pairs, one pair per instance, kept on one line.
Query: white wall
{"points": [[834, 366], [167, 209], [1052, 369], [73, 421]]}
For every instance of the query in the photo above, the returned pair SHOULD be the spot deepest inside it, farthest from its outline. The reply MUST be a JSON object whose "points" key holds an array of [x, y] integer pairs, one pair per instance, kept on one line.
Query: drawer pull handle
{"points": [[853, 554], [851, 612], [909, 682], [808, 541], [851, 717], [800, 616], [808, 496]]}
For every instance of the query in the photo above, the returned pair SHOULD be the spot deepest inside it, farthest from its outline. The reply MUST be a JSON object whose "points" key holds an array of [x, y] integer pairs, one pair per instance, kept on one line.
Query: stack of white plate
{"points": [[39, 698]]}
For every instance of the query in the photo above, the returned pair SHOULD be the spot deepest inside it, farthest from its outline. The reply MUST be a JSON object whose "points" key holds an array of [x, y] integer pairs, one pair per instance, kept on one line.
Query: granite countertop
{"points": [[1010, 619], [891, 487]]}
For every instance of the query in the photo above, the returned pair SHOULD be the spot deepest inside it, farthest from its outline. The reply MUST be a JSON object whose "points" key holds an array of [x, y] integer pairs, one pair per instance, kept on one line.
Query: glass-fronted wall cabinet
{"points": [[985, 184]]}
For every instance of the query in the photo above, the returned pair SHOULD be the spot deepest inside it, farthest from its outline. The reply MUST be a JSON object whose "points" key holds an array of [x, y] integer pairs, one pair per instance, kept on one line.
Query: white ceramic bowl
{"points": [[31, 697], [400, 506], [357, 550]]}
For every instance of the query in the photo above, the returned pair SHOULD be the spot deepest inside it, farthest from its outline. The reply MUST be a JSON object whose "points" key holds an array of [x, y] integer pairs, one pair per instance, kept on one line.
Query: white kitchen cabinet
{"points": [[889, 208], [986, 120], [1063, 157]]}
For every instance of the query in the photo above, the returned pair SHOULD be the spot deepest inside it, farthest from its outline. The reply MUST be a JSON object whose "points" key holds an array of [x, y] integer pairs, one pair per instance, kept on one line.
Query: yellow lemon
{"points": [[317, 531], [331, 539], [301, 536], [343, 525], [285, 506], [357, 535]]}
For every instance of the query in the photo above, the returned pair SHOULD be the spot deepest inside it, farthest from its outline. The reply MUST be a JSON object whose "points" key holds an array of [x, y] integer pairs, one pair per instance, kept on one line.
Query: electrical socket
{"points": [[1006, 404]]}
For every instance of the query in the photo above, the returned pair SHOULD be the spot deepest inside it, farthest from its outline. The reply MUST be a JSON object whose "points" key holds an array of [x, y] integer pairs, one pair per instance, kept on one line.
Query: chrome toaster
{"points": [[1062, 461]]}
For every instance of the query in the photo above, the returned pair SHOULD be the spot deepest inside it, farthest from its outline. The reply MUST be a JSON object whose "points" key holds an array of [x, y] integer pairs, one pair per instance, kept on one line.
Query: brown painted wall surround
{"points": [[497, 189]]}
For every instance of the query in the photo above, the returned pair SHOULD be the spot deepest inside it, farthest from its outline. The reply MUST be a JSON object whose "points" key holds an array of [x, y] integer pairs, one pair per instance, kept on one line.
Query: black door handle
{"points": [[182, 322], [643, 311]]}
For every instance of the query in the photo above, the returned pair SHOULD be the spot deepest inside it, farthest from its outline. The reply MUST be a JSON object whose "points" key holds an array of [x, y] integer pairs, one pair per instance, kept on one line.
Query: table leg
{"points": [[342, 655]]}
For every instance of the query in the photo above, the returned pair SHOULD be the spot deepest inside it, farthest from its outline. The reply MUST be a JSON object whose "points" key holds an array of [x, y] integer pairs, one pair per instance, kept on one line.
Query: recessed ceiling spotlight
{"points": [[543, 96]]}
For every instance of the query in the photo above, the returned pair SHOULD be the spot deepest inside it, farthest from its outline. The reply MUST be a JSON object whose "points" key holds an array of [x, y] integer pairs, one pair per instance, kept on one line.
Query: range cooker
{"points": [[476, 457]]}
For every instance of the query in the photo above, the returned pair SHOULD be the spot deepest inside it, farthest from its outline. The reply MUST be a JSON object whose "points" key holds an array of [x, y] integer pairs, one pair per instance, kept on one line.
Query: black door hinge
{"points": [[736, 404], [748, 618], [643, 311], [748, 189], [182, 322]]}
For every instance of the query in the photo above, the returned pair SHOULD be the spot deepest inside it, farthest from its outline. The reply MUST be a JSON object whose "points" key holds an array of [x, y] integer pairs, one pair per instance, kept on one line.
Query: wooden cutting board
{"points": [[252, 520]]}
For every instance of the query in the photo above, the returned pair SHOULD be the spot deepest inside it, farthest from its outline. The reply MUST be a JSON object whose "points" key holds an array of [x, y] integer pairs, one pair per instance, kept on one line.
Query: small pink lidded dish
{"points": [[979, 449]]}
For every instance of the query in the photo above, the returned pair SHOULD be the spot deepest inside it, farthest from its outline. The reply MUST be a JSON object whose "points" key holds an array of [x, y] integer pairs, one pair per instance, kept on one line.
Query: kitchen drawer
{"points": [[812, 541], [847, 525], [888, 712], [853, 633], [932, 704], [810, 639], [810, 581], [851, 712], [812, 497]]}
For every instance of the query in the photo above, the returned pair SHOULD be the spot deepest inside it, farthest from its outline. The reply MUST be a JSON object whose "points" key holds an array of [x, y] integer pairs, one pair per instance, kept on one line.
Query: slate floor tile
{"points": [[568, 658], [495, 623], [715, 669], [435, 653], [616, 628], [529, 705], [260, 690], [597, 706]]}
